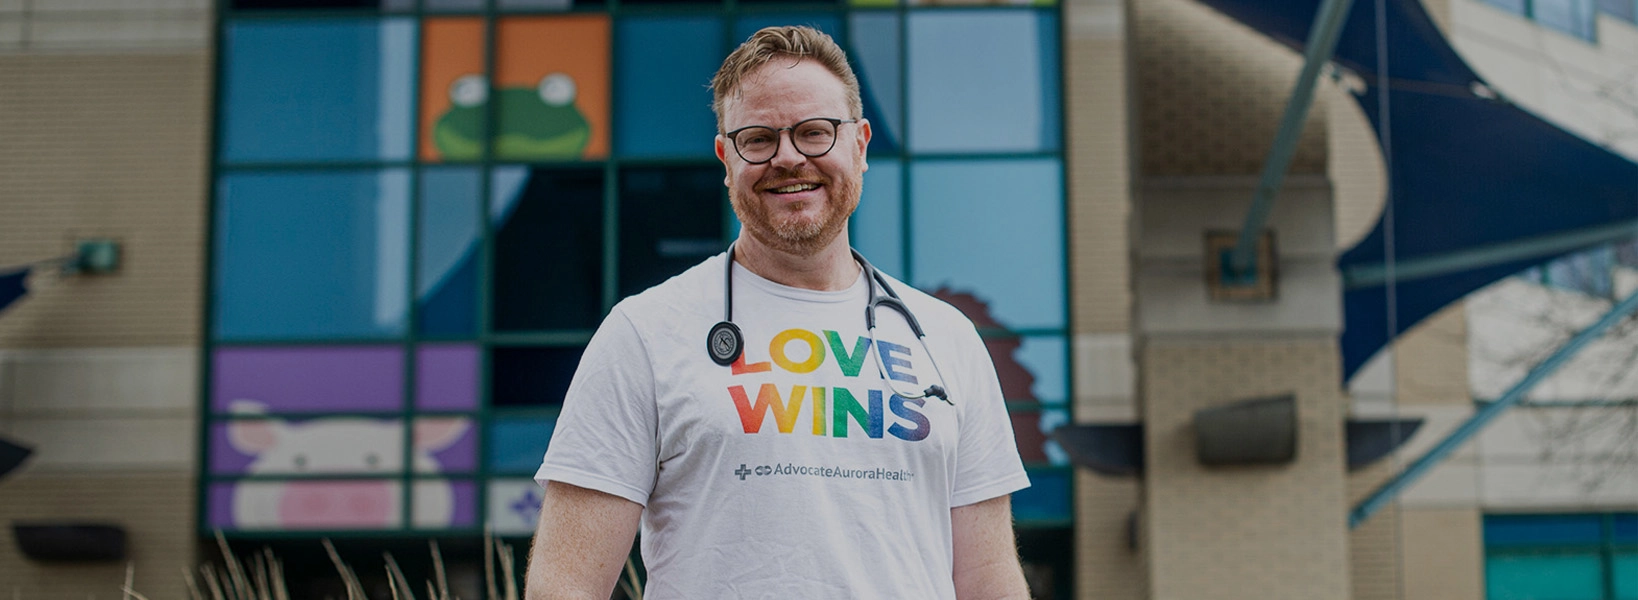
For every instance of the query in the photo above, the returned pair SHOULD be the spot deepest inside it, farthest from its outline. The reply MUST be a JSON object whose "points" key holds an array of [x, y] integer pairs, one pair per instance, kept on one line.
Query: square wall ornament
{"points": [[1223, 284]]}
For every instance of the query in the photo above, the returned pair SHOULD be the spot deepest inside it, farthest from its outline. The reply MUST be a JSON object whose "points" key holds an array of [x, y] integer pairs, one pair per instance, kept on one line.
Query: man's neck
{"points": [[829, 269]]}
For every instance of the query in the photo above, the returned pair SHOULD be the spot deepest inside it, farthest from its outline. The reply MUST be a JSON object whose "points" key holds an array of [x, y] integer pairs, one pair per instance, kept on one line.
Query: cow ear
{"points": [[432, 435], [253, 436]]}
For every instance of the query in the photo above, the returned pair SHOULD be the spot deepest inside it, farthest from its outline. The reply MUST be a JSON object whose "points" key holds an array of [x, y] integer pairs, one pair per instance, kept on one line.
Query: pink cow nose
{"points": [[338, 504]]}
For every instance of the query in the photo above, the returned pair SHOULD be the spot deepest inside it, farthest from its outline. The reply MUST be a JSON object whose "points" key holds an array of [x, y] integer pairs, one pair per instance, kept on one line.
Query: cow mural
{"points": [[339, 446]]}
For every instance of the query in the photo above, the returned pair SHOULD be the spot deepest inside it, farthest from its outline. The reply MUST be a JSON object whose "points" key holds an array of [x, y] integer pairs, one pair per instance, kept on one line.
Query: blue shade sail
{"points": [[671, 218], [447, 245], [314, 90], [548, 265], [992, 229], [997, 96], [517, 444], [312, 255], [1046, 499], [663, 66], [873, 44], [1524, 190], [877, 226], [1543, 575]]}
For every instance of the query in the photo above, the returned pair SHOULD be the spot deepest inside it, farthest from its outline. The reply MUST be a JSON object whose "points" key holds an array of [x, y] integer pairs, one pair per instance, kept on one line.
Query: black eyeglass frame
{"points": [[835, 124]]}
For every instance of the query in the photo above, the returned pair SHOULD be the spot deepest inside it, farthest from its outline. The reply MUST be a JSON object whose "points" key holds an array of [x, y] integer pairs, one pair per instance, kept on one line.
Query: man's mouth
{"points": [[794, 188]]}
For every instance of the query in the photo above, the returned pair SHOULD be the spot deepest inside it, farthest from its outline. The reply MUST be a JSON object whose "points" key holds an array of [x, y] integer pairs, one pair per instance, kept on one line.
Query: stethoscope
{"points": [[725, 342]]}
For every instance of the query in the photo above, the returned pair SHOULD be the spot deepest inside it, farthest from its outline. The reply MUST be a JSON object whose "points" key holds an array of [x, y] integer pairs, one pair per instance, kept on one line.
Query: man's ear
{"points": [[864, 143], [722, 155]]}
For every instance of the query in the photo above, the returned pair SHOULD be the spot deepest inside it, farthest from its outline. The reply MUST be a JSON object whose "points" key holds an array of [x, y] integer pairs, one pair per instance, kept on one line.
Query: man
{"points": [[801, 455]]}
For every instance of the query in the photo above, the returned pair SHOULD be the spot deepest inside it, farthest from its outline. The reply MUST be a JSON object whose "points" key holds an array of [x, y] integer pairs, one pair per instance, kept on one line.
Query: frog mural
{"points": [[539, 123]]}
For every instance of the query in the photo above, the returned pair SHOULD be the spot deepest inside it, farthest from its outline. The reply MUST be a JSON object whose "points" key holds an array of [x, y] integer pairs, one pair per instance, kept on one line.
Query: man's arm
{"points": [[986, 554], [581, 543]]}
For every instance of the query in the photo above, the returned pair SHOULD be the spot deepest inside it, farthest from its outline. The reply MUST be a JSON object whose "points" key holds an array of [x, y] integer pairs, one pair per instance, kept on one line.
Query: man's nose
{"points": [[786, 155]]}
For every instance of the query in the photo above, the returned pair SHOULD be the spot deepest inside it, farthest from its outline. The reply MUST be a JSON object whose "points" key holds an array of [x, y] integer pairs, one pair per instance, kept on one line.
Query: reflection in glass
{"points": [[535, 376], [311, 255], [447, 252], [671, 218], [312, 90], [998, 96], [548, 265], [992, 229], [672, 116], [552, 88]]}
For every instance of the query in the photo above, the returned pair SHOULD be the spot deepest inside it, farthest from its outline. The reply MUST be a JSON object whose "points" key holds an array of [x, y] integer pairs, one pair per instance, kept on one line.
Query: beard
{"points": [[798, 234]]}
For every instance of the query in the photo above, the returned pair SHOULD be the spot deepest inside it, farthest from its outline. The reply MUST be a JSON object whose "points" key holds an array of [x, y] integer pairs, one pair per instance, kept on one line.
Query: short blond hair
{"points": [[798, 41]]}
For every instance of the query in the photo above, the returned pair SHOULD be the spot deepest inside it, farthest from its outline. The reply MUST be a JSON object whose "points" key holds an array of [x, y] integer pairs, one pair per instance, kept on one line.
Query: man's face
{"points": [[793, 203]]}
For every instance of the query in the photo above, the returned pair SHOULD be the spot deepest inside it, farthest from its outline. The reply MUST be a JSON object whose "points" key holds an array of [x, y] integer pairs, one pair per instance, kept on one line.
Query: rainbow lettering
{"points": [[844, 414]]}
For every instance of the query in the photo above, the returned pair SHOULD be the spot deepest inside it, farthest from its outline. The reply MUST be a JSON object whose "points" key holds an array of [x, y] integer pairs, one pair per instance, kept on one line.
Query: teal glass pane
{"points": [[671, 218], [312, 255], [873, 43], [548, 265], [992, 229], [517, 445], [1046, 499], [877, 226], [1626, 574], [997, 96], [662, 67], [748, 24], [447, 246], [1544, 576], [317, 90]]}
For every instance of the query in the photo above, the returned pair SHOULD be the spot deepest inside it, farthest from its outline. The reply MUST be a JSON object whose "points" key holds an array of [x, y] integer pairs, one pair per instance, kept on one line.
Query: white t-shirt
{"points": [[796, 472]]}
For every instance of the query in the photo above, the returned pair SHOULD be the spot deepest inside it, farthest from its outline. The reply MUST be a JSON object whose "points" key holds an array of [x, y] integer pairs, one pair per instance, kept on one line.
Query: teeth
{"points": [[795, 188]]}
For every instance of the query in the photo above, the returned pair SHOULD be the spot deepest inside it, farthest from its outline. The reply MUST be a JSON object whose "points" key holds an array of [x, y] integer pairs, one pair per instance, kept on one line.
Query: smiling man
{"points": [[839, 434]]}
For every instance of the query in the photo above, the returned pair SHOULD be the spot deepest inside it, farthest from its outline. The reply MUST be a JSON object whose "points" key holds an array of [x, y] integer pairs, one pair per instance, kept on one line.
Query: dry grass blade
{"points": [[212, 582], [636, 584], [275, 571], [432, 592], [130, 593], [130, 578], [193, 586], [392, 584], [625, 586], [237, 582], [259, 576], [489, 563], [438, 571], [508, 575], [396, 577], [355, 590]]}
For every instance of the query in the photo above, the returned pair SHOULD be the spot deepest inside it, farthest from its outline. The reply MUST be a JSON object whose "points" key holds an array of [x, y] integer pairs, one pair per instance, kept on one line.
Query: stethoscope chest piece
{"points": [[725, 342]]}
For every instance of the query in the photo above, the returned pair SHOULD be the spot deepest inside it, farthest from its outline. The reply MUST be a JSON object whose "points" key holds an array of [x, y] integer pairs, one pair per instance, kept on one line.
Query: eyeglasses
{"points": [[814, 138]]}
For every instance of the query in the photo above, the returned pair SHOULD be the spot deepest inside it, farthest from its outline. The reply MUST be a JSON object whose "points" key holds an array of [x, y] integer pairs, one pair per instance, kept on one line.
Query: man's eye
{"points": [[756, 140]]}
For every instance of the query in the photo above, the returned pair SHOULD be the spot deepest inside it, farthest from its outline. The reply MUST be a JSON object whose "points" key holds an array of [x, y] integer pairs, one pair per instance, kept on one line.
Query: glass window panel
{"points": [[313, 90], [444, 504], [307, 379], [453, 5], [531, 376], [873, 42], [1031, 368], [1626, 575], [670, 60], [312, 255], [547, 5], [1589, 272], [514, 506], [1513, 6], [877, 226], [1543, 530], [518, 445], [362, 504], [1626, 10], [671, 218], [992, 229], [454, 92], [548, 271], [1625, 529], [448, 244], [552, 83], [998, 96], [1046, 499], [323, 446], [392, 5], [749, 24], [1534, 576], [445, 445], [446, 377], [1574, 17]]}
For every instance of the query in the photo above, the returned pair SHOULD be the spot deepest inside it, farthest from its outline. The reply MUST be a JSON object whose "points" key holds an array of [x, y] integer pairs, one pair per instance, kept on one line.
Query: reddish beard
{"points": [[801, 235]]}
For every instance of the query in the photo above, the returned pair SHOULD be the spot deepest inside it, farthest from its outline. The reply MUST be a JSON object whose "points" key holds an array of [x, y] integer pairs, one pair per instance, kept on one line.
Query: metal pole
{"points": [[1454, 440], [1322, 42]]}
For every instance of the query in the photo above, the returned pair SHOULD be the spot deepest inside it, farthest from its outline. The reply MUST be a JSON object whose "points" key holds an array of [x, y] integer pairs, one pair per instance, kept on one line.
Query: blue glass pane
{"points": [[531, 376], [877, 226], [318, 90], [1574, 17], [662, 68], [312, 255], [447, 244], [1046, 499], [1544, 576], [750, 23], [1543, 530], [671, 218], [1625, 530], [548, 262], [1045, 359], [994, 230], [518, 444], [997, 96], [873, 43], [1626, 575]]}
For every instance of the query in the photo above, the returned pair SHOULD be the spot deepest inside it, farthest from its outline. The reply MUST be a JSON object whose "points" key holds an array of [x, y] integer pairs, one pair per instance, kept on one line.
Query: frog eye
{"points": [[557, 89], [469, 91]]}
